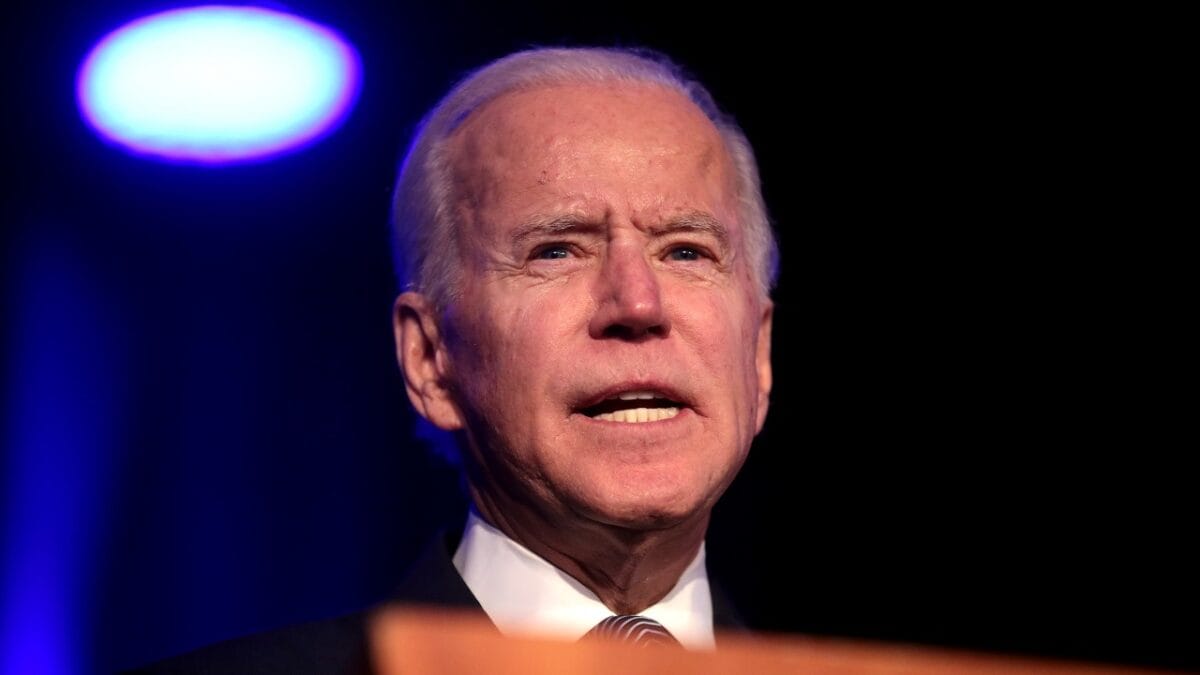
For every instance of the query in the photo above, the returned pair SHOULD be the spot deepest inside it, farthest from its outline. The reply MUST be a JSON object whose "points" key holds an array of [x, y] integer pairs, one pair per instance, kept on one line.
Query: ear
{"points": [[424, 361], [762, 361]]}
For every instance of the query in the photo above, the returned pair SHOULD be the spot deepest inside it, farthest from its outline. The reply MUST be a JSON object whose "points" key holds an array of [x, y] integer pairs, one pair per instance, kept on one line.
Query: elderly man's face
{"points": [[608, 352]]}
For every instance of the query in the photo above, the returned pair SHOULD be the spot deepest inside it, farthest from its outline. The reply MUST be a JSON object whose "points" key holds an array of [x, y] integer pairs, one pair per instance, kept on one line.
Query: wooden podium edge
{"points": [[443, 642]]}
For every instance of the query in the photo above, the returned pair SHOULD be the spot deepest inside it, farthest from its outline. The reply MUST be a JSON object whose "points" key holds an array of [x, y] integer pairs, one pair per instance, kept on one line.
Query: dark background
{"points": [[205, 433]]}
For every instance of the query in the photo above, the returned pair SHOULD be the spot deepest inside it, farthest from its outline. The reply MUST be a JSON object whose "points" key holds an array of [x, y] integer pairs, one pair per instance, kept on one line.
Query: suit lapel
{"points": [[433, 580]]}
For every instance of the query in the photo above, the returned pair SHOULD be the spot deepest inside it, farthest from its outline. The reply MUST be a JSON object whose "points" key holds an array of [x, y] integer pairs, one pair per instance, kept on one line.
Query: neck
{"points": [[628, 568]]}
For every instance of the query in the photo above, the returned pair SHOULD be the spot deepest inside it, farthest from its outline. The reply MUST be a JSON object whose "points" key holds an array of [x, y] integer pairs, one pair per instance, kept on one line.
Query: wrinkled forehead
{"points": [[598, 131], [590, 108]]}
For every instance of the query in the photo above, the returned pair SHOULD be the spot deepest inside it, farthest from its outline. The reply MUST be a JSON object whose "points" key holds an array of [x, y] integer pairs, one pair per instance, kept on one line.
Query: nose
{"points": [[629, 297]]}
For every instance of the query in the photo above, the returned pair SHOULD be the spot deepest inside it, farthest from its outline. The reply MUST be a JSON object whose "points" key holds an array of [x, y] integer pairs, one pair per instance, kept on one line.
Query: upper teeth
{"points": [[639, 414]]}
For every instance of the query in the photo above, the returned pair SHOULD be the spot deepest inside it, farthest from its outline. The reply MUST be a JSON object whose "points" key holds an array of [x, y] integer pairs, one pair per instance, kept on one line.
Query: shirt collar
{"points": [[524, 594]]}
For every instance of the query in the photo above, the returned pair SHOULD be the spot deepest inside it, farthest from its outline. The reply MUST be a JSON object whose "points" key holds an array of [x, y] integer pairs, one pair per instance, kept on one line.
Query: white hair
{"points": [[423, 228]]}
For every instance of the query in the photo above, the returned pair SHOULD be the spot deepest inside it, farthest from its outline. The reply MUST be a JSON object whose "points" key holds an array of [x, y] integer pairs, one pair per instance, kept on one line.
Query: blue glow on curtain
{"points": [[64, 394]]}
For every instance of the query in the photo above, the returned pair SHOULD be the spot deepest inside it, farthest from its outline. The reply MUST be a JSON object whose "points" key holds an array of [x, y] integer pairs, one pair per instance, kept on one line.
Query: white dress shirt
{"points": [[523, 594]]}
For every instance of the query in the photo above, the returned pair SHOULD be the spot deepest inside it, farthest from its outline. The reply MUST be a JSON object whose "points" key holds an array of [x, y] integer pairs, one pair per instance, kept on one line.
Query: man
{"points": [[586, 263]]}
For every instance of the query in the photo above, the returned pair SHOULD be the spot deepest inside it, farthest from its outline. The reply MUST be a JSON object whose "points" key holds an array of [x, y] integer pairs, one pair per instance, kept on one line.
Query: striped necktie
{"points": [[633, 629]]}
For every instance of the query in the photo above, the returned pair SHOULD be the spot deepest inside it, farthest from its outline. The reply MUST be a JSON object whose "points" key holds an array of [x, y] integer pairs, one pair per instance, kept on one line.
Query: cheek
{"points": [[530, 328], [720, 324], [726, 334], [507, 350]]}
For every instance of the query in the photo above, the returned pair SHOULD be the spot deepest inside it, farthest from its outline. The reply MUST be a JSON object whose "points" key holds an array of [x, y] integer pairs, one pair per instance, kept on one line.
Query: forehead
{"points": [[589, 139], [641, 111]]}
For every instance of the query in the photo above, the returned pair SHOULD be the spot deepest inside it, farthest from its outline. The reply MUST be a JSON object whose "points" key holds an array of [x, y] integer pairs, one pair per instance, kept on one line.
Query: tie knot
{"points": [[633, 629]]}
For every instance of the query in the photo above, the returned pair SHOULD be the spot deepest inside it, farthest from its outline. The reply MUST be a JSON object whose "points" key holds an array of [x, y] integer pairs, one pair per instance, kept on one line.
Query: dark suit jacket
{"points": [[339, 646]]}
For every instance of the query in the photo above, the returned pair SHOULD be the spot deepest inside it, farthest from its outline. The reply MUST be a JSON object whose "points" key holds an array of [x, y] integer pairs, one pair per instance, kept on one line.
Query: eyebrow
{"points": [[542, 226], [695, 221], [691, 221]]}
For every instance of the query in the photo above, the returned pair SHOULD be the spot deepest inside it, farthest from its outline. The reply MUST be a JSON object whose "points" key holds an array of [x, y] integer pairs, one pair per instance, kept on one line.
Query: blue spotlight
{"points": [[217, 84]]}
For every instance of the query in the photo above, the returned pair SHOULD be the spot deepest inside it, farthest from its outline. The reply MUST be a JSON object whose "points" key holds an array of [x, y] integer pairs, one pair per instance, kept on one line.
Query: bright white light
{"points": [[218, 84]]}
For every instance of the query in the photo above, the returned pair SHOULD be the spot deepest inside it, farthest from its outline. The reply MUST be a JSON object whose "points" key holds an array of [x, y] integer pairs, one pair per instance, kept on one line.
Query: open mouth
{"points": [[634, 407]]}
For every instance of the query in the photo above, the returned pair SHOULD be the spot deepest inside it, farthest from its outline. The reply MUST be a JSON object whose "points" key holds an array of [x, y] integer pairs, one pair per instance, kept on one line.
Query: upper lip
{"points": [[659, 389]]}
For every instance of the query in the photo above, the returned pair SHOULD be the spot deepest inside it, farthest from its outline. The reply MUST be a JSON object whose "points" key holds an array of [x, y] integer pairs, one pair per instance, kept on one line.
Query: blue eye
{"points": [[684, 253], [552, 253]]}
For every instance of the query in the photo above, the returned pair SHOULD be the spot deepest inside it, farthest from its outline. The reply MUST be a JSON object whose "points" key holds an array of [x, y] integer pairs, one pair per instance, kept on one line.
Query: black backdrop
{"points": [[206, 434]]}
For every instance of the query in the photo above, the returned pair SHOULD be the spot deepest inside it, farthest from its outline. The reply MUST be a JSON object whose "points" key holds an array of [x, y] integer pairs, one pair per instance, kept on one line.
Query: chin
{"points": [[645, 511], [650, 496]]}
